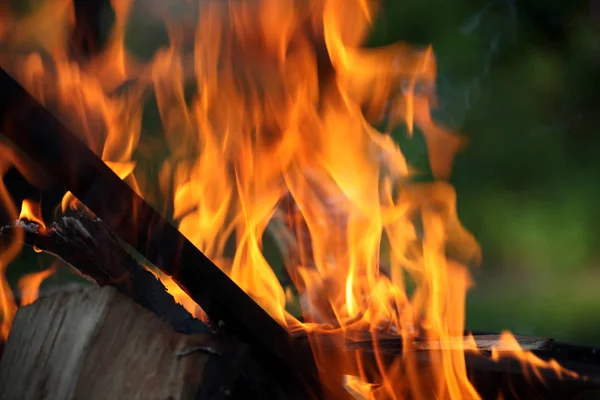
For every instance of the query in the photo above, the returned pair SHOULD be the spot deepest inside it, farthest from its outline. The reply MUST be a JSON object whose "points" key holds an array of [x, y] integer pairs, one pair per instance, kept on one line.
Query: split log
{"points": [[95, 343], [91, 249]]}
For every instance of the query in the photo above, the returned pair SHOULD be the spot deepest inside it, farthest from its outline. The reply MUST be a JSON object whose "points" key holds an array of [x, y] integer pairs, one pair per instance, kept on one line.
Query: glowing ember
{"points": [[285, 106]]}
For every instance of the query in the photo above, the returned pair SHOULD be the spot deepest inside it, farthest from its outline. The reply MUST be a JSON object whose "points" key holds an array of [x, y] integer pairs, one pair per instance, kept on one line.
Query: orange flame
{"points": [[509, 346], [29, 285], [178, 294], [284, 106], [32, 211], [8, 251]]}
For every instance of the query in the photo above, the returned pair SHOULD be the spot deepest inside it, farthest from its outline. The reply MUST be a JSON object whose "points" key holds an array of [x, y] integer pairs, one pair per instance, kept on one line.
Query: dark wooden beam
{"points": [[47, 142], [509, 376]]}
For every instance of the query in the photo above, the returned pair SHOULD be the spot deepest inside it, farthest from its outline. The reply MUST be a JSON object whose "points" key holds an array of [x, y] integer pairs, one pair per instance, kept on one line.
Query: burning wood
{"points": [[87, 245], [285, 105], [494, 363], [84, 175]]}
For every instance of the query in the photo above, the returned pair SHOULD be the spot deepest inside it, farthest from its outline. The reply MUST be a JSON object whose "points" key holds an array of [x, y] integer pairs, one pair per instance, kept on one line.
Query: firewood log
{"points": [[88, 246], [95, 343]]}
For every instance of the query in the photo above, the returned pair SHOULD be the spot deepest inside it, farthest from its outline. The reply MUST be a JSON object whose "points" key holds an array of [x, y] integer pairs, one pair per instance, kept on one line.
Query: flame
{"points": [[178, 294], [359, 389], [533, 366], [10, 250], [29, 285], [281, 128], [32, 211]]}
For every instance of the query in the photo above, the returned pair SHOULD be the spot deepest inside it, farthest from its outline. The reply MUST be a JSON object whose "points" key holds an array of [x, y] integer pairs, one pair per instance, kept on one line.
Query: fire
{"points": [[32, 211], [178, 294], [29, 285], [10, 250], [287, 107], [508, 346]]}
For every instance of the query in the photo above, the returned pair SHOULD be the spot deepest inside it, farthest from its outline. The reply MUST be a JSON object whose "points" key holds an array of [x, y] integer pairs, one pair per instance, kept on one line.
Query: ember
{"points": [[280, 135]]}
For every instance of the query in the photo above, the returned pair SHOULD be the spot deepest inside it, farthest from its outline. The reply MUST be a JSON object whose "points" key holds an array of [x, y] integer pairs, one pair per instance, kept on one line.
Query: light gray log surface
{"points": [[94, 343]]}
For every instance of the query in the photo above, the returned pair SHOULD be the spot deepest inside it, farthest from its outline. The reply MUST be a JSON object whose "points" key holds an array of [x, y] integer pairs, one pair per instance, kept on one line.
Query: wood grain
{"points": [[94, 343]]}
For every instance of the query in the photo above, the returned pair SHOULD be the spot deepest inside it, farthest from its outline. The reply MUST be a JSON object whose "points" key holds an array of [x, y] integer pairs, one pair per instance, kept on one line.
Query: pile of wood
{"points": [[125, 337]]}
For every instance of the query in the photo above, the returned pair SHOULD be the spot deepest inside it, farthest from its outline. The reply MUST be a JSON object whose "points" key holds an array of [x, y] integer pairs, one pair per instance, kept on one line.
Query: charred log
{"points": [[86, 244], [508, 375]]}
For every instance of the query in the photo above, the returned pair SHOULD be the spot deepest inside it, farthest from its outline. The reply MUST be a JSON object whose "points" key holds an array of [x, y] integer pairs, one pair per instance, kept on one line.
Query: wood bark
{"points": [[95, 343]]}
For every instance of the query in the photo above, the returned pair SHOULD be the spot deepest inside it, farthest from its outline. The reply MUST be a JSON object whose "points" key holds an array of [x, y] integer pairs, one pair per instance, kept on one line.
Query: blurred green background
{"points": [[520, 79]]}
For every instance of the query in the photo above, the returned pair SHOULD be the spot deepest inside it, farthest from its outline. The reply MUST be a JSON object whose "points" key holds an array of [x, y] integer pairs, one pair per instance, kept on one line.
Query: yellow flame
{"points": [[532, 365], [8, 252], [178, 294], [32, 211]]}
